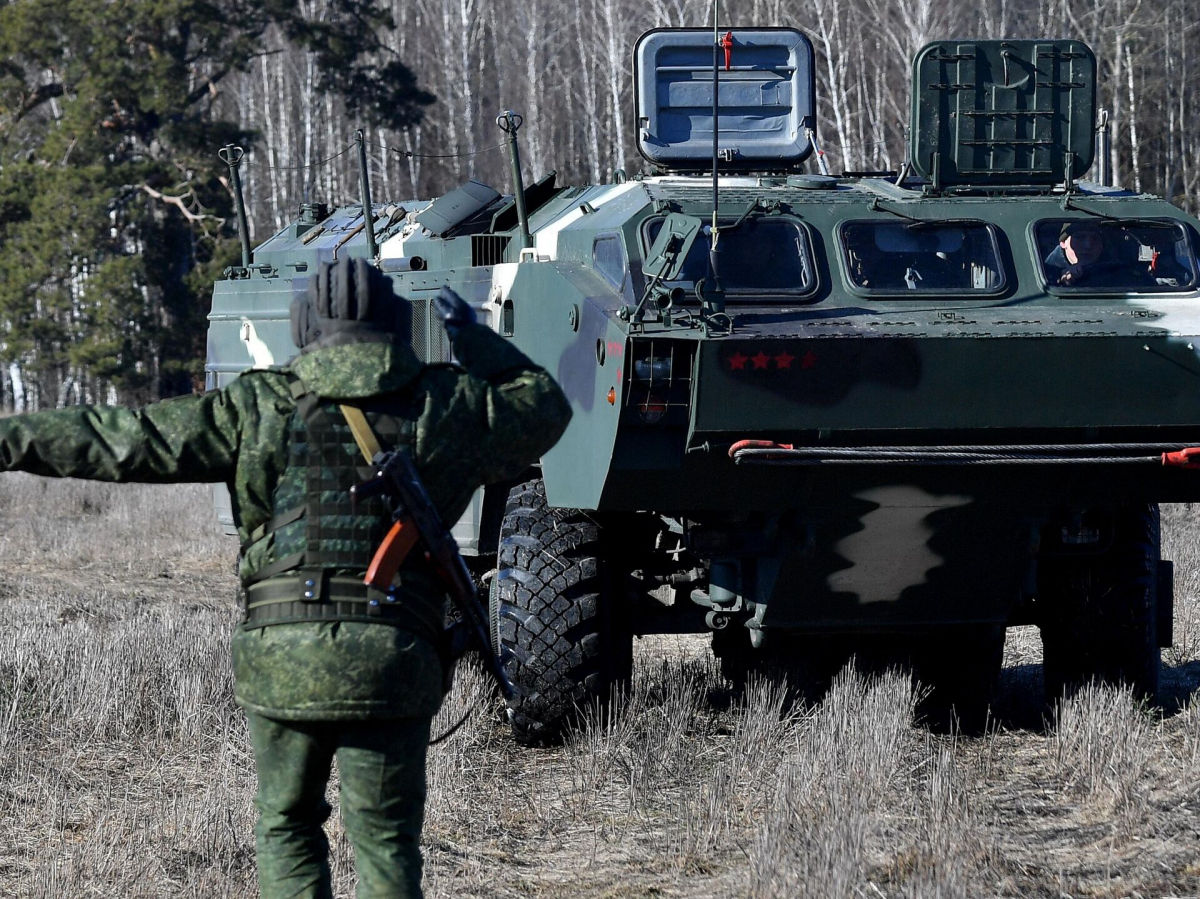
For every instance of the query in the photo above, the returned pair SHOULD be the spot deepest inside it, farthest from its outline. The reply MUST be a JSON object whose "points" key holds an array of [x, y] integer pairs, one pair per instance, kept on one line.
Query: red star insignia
{"points": [[738, 361], [809, 360], [784, 360], [760, 359]]}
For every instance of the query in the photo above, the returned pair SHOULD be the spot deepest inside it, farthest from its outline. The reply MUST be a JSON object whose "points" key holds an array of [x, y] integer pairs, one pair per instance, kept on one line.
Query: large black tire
{"points": [[961, 667], [556, 617], [1099, 612]]}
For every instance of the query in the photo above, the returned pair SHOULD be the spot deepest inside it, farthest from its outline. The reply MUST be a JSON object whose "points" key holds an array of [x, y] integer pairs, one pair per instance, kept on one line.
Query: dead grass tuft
{"points": [[1103, 748]]}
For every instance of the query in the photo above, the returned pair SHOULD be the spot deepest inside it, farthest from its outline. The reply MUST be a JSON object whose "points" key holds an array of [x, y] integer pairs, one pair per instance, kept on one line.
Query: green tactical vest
{"points": [[323, 540]]}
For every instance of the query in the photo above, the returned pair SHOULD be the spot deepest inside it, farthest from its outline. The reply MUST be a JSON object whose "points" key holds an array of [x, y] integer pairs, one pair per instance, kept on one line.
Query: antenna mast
{"points": [[715, 299], [715, 121]]}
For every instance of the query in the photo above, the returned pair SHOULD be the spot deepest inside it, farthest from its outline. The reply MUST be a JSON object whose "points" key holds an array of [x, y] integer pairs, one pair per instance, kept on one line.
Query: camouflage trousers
{"points": [[381, 764]]}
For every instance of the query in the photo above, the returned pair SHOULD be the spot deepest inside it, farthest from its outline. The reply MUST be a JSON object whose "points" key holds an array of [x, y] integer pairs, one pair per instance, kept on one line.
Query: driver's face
{"points": [[1084, 246]]}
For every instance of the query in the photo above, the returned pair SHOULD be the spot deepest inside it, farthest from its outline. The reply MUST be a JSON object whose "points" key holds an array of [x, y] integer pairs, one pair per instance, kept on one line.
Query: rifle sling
{"points": [[363, 435]]}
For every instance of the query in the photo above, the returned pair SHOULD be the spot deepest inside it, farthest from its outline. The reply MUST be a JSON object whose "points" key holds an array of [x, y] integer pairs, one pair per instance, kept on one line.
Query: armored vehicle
{"points": [[814, 414]]}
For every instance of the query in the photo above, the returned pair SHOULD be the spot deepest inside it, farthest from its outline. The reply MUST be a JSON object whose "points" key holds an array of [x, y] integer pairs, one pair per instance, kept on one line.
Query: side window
{"points": [[760, 258], [608, 255], [891, 257], [1105, 255]]}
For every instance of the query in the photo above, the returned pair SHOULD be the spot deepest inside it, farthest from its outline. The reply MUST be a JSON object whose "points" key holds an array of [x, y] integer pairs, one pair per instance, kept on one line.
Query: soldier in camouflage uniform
{"points": [[323, 666]]}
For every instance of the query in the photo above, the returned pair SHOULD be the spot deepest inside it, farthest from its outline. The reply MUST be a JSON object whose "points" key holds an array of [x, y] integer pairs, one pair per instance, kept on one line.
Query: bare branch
{"points": [[184, 203]]}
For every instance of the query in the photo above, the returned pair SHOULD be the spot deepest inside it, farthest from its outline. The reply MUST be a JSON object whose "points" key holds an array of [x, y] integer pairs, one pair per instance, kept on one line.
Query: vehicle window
{"points": [[1091, 255], [609, 258], [760, 256], [921, 257]]}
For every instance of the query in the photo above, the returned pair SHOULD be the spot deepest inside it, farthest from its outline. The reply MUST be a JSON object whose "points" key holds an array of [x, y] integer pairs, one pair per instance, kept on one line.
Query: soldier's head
{"points": [[348, 301], [1081, 242]]}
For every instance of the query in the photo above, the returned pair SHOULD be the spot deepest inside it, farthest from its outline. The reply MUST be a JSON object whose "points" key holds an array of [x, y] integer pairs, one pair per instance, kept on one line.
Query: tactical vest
{"points": [[324, 539]]}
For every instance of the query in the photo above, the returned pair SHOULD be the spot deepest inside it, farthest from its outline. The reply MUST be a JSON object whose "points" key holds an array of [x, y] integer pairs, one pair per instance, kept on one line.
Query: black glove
{"points": [[455, 312], [1073, 274], [346, 300]]}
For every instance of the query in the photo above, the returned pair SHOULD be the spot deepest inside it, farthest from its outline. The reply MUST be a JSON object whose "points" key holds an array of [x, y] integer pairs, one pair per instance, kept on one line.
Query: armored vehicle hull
{"points": [[881, 411]]}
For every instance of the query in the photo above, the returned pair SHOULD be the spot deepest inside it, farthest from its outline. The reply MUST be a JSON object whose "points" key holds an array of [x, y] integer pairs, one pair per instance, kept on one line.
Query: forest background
{"points": [[116, 213]]}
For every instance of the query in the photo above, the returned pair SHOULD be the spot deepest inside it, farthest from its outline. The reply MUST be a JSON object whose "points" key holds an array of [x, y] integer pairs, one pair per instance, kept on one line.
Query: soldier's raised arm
{"points": [[503, 411]]}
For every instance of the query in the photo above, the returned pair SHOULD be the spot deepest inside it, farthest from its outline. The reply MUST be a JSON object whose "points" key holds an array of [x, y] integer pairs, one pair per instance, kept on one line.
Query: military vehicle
{"points": [[814, 414]]}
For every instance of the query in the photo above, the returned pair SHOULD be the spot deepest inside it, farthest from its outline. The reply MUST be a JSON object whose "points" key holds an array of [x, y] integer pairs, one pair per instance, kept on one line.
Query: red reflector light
{"points": [[652, 409]]}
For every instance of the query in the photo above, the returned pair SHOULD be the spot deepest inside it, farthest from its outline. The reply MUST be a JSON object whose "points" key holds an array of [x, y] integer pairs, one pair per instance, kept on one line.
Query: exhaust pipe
{"points": [[407, 264]]}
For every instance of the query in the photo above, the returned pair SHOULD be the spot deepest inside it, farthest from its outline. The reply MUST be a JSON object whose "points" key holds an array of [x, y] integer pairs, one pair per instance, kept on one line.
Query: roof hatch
{"points": [[1001, 113], [765, 92]]}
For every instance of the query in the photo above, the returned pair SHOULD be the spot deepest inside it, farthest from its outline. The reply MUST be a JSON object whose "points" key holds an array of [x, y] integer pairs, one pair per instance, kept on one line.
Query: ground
{"points": [[125, 766]]}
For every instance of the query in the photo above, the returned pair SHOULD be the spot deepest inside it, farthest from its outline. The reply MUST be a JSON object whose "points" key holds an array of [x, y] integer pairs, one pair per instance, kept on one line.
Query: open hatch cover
{"points": [[997, 113], [765, 91]]}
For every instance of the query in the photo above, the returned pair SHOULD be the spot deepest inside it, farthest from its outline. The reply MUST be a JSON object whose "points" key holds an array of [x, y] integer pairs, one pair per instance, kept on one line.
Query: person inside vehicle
{"points": [[1084, 258]]}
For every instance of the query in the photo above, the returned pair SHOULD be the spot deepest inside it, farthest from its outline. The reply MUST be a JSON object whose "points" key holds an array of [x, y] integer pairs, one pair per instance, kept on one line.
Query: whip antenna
{"points": [[715, 300], [712, 249]]}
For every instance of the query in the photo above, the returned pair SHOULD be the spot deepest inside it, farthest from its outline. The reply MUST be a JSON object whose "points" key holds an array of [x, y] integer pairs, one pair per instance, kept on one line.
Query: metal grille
{"points": [[488, 249], [661, 369], [428, 337], [419, 328], [439, 346]]}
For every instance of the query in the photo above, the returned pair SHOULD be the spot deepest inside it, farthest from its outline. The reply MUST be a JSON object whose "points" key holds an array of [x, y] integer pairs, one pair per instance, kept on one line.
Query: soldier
{"points": [[1079, 254], [323, 666], [1084, 257]]}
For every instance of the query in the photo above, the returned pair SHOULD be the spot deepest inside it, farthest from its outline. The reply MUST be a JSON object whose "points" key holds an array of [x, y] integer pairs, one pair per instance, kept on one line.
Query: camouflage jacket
{"points": [[484, 420]]}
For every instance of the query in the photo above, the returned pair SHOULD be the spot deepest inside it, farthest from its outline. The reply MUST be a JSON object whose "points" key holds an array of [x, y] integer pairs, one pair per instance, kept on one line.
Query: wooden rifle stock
{"points": [[392, 551]]}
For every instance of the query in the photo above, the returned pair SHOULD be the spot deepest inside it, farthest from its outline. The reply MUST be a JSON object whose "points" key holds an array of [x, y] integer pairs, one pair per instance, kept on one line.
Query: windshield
{"points": [[760, 256], [921, 257], [1113, 255]]}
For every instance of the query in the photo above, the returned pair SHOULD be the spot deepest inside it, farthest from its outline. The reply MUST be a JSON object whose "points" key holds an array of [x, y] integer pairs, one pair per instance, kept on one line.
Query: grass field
{"points": [[125, 767]]}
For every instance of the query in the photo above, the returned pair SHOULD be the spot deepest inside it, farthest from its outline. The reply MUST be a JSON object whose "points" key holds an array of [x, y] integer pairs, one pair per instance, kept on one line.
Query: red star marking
{"points": [[737, 361], [784, 360], [809, 360], [760, 360]]}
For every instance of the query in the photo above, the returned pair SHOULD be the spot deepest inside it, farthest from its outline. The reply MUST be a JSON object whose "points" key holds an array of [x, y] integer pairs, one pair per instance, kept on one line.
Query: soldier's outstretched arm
{"points": [[183, 439]]}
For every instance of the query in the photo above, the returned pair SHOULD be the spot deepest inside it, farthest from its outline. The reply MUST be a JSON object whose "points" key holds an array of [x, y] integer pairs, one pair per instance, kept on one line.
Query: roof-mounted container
{"points": [[765, 89], [1003, 113]]}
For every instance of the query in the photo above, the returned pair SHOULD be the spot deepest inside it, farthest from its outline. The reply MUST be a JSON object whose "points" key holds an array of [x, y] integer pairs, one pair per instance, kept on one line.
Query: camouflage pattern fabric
{"points": [[382, 770]]}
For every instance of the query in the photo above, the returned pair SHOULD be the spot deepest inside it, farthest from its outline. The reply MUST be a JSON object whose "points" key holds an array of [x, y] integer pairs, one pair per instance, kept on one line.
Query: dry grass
{"points": [[125, 768]]}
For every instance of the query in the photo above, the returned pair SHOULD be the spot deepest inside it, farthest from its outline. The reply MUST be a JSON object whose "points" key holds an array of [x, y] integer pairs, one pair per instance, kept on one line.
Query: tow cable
{"points": [[769, 452]]}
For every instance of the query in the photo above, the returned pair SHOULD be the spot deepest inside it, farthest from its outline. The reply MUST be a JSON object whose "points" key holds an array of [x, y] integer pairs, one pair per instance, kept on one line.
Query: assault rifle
{"points": [[415, 521]]}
